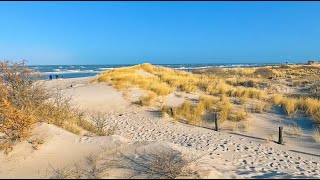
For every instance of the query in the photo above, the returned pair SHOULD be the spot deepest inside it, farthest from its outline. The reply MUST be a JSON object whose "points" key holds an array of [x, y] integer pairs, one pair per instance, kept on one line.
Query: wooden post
{"points": [[171, 111], [280, 135], [216, 122]]}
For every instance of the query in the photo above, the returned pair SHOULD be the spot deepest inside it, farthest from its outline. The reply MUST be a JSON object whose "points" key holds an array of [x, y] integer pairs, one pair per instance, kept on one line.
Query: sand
{"points": [[226, 154]]}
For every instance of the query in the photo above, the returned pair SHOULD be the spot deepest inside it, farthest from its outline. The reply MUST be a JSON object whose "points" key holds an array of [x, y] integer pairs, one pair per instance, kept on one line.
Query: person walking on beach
{"points": [[50, 77], [57, 76]]}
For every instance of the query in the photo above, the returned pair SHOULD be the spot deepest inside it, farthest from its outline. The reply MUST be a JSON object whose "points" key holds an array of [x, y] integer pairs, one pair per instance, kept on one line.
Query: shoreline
{"points": [[186, 69]]}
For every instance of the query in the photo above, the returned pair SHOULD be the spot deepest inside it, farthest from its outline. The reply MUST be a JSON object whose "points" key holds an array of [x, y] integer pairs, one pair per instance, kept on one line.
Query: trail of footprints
{"points": [[248, 157]]}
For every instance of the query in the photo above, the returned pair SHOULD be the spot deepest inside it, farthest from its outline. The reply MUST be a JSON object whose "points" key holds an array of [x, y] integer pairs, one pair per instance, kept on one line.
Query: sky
{"points": [[47, 33]]}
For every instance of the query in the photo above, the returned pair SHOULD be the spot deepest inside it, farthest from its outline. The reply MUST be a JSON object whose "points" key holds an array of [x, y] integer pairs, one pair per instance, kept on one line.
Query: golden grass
{"points": [[290, 106], [258, 107], [277, 99], [311, 107], [316, 135], [185, 108], [163, 81], [224, 108], [207, 101], [244, 98], [146, 100], [240, 115]]}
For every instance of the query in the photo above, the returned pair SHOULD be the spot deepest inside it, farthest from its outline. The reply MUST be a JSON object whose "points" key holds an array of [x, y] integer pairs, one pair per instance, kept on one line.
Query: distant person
{"points": [[61, 76], [50, 77], [57, 76]]}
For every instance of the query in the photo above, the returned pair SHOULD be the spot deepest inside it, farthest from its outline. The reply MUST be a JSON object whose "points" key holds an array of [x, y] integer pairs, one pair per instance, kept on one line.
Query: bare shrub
{"points": [[24, 101], [61, 173], [19, 82], [6, 146], [157, 163], [100, 122], [36, 142]]}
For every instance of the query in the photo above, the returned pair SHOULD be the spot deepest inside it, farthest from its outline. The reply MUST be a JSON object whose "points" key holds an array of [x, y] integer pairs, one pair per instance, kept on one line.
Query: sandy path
{"points": [[253, 159]]}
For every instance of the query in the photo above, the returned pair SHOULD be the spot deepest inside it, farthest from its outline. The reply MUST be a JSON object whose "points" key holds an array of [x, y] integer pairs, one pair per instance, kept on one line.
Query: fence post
{"points": [[171, 111], [280, 141], [215, 117]]}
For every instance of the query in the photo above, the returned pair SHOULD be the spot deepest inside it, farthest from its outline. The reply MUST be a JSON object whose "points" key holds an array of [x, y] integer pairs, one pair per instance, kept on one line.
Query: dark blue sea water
{"points": [[75, 71]]}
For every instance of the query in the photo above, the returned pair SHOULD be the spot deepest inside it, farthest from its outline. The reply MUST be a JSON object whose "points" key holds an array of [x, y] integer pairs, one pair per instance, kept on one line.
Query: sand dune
{"points": [[224, 154]]}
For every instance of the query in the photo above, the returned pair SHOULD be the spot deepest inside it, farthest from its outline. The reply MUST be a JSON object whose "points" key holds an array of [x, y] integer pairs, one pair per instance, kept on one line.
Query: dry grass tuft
{"points": [[290, 106], [294, 130], [240, 115], [277, 99], [316, 134], [146, 100], [224, 108]]}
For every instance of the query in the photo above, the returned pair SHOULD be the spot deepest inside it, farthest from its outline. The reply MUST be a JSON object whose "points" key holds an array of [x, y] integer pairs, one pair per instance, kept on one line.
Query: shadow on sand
{"points": [[316, 155]]}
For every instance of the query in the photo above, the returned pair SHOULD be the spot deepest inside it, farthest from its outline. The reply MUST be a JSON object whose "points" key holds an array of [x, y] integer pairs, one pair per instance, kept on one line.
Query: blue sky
{"points": [[159, 32]]}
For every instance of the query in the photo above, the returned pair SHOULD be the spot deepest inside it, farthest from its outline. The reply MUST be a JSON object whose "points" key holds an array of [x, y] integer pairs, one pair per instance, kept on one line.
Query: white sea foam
{"points": [[72, 72], [105, 68], [202, 67]]}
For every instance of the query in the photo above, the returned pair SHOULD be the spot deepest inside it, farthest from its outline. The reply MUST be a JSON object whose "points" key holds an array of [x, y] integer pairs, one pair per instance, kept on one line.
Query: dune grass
{"points": [[316, 134], [240, 115], [290, 106], [224, 108], [163, 81]]}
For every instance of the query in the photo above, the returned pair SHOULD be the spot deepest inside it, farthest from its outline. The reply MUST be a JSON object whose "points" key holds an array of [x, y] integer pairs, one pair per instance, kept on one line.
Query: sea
{"points": [[76, 71]]}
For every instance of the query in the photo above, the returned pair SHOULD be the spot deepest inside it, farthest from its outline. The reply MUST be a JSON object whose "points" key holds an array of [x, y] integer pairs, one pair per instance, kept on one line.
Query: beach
{"points": [[226, 154]]}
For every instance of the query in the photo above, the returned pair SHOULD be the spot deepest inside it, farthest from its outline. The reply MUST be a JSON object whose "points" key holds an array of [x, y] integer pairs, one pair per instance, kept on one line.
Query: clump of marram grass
{"points": [[224, 108], [240, 115], [290, 106], [295, 130], [316, 134], [191, 114], [146, 100], [185, 108], [311, 107], [277, 99], [260, 107], [244, 98]]}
